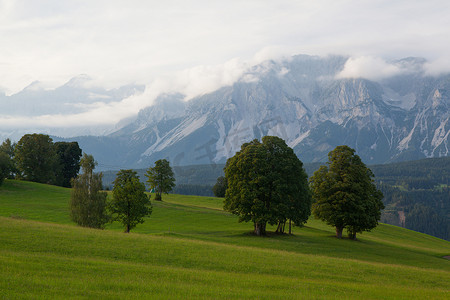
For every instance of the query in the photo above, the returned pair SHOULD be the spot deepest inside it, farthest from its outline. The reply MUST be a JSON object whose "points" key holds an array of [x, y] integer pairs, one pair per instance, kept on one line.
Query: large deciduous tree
{"points": [[344, 193], [130, 204], [161, 178], [88, 201], [267, 184], [69, 154], [36, 158]]}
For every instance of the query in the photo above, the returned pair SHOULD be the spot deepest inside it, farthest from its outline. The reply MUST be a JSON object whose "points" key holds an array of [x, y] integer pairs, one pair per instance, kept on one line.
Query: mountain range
{"points": [[302, 100], [74, 97]]}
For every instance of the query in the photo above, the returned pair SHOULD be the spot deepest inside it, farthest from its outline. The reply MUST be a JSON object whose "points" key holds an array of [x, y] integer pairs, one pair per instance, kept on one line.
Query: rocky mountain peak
{"points": [[301, 100]]}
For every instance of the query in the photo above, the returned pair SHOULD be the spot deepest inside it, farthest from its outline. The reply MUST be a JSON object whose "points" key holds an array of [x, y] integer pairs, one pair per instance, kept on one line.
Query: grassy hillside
{"points": [[190, 248]]}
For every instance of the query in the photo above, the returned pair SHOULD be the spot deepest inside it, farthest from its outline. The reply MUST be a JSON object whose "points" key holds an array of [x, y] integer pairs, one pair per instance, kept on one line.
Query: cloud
{"points": [[180, 45], [376, 68], [205, 79], [190, 82], [139, 41], [372, 68], [98, 114], [438, 67]]}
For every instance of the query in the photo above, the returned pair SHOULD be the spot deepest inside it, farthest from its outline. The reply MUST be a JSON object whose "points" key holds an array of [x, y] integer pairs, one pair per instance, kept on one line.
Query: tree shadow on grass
{"points": [[320, 242]]}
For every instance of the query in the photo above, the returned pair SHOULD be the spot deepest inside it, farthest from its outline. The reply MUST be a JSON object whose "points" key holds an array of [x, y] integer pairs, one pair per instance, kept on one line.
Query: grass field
{"points": [[190, 248]]}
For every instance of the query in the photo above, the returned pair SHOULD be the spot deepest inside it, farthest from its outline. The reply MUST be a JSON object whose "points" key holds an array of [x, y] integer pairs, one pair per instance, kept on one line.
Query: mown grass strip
{"points": [[53, 255]]}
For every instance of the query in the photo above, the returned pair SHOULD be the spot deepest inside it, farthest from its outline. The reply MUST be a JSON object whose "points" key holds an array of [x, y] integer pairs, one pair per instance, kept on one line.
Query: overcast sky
{"points": [[201, 45]]}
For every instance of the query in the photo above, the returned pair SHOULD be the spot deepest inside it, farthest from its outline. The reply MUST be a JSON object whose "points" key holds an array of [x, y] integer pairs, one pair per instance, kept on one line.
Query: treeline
{"points": [[193, 189], [435, 169], [36, 158], [196, 180], [423, 210], [190, 180], [417, 195]]}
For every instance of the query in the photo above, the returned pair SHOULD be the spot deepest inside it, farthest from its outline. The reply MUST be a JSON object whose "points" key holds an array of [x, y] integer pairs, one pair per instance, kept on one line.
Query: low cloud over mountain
{"points": [[314, 103]]}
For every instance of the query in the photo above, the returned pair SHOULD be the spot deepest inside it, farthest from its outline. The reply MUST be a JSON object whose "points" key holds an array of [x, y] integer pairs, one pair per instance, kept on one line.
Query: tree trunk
{"points": [[127, 230], [352, 235], [260, 229], [278, 228], [339, 232], [290, 232]]}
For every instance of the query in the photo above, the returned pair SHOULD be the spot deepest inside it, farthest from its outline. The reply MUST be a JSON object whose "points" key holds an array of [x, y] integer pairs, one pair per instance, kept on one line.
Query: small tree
{"points": [[36, 158], [345, 194], [130, 204], [220, 187], [267, 184], [69, 154], [88, 201], [161, 178]]}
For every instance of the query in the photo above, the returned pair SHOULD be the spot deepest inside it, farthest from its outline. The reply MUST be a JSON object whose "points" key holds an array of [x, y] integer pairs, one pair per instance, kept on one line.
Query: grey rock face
{"points": [[301, 100]]}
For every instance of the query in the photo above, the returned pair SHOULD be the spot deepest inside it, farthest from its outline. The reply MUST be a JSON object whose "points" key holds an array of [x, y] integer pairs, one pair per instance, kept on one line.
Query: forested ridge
{"points": [[417, 195]]}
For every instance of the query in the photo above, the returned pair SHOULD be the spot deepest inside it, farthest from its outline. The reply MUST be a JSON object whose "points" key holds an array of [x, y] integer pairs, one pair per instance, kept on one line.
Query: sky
{"points": [[197, 46]]}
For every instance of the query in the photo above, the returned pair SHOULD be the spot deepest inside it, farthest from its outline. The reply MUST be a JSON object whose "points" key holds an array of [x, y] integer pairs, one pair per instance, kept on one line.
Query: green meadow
{"points": [[190, 248]]}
